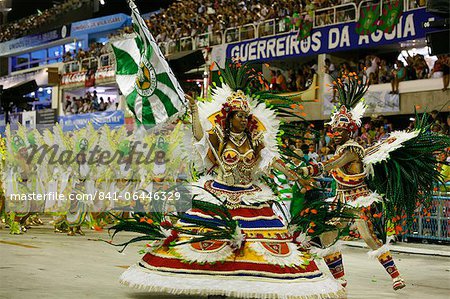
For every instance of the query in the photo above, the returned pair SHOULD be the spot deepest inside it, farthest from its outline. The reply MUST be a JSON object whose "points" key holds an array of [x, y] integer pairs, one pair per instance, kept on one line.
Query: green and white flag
{"points": [[144, 77]]}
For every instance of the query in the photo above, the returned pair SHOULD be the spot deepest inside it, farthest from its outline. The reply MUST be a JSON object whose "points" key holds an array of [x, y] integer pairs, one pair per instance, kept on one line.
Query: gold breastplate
{"points": [[237, 167]]}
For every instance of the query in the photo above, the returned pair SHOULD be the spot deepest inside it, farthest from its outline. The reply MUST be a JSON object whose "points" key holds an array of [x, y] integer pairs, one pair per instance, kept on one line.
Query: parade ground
{"points": [[44, 264]]}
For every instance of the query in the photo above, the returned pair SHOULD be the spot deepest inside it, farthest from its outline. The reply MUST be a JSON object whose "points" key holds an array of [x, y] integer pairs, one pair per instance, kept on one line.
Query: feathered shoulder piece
{"points": [[404, 169], [350, 109]]}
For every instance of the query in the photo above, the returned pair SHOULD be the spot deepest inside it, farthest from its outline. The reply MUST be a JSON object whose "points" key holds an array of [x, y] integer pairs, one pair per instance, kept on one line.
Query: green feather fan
{"points": [[408, 178], [152, 225]]}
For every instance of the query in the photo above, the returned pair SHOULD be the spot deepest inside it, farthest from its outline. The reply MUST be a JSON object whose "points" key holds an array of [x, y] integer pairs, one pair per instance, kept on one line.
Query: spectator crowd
{"points": [[295, 80], [377, 71], [31, 23], [191, 18], [89, 103], [318, 145], [95, 50]]}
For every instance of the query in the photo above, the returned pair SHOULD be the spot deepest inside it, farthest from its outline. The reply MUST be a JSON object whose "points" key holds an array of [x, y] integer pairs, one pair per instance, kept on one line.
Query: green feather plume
{"points": [[408, 178]]}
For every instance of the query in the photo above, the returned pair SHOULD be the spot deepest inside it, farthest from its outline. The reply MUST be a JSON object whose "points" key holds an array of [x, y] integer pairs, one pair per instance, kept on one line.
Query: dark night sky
{"points": [[23, 8]]}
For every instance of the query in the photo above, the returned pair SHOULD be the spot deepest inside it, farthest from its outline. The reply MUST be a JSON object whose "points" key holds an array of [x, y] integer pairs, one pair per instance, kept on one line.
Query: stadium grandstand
{"points": [[298, 45]]}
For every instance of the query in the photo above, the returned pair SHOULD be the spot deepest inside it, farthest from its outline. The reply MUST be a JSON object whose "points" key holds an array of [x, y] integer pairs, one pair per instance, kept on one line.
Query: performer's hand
{"points": [[191, 100], [303, 172]]}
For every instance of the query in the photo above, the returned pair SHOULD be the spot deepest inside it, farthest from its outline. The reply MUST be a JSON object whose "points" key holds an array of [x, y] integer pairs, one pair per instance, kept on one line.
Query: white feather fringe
{"points": [[382, 149], [241, 287], [365, 201], [268, 118], [201, 160], [336, 247], [374, 254], [358, 112]]}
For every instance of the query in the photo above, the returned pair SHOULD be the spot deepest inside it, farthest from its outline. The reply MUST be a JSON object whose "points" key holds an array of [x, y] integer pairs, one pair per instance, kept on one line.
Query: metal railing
{"points": [[171, 47], [87, 63], [413, 4], [433, 223], [186, 44], [202, 40], [164, 48], [266, 28], [338, 14], [247, 31], [216, 38], [72, 66], [208, 39], [407, 5], [106, 60], [231, 35]]}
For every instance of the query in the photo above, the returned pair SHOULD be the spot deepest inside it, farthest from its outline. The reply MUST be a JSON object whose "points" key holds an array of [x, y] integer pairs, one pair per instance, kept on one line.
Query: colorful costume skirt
{"points": [[267, 265]]}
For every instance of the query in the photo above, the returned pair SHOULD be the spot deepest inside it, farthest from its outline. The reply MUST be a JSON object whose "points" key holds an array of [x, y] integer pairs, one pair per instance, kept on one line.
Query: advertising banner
{"points": [[73, 78], [31, 41], [100, 24], [329, 39], [86, 78], [98, 119]]}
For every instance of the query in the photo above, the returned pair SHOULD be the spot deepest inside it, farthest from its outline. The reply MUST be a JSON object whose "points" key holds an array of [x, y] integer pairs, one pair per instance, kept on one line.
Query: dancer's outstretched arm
{"points": [[196, 125], [336, 161]]}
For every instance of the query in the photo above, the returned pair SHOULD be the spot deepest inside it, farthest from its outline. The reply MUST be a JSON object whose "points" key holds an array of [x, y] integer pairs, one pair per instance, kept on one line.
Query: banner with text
{"points": [[100, 24], [328, 39], [79, 78], [31, 41], [74, 122]]}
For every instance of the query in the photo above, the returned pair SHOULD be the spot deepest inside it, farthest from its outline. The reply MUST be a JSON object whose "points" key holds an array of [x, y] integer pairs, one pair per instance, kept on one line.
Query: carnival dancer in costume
{"points": [[2, 192], [56, 177], [84, 181], [20, 179], [398, 168], [230, 243]]}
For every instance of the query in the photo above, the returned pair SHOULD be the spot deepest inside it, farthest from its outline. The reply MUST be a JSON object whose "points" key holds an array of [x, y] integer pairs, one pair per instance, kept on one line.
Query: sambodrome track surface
{"points": [[44, 264]]}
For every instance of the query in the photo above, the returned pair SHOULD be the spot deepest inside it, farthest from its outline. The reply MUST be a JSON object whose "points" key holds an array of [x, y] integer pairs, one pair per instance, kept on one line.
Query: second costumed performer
{"points": [[394, 176], [236, 135]]}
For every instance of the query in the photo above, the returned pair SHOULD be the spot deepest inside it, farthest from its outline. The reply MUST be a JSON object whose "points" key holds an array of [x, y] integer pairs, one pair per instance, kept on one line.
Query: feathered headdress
{"points": [[350, 89], [235, 94]]}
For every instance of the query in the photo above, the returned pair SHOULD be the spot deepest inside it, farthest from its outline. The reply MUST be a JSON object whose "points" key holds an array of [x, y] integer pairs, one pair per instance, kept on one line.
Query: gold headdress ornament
{"points": [[235, 95], [234, 101], [237, 101]]}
